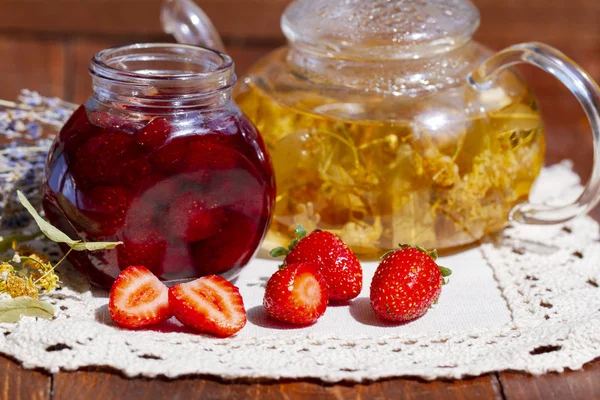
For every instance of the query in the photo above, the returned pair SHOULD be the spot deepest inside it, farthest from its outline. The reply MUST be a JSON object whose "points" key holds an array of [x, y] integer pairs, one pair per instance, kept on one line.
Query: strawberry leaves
{"points": [[299, 234]]}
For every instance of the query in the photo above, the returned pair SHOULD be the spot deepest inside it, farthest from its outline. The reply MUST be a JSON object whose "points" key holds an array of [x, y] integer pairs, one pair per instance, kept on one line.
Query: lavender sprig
{"points": [[27, 128]]}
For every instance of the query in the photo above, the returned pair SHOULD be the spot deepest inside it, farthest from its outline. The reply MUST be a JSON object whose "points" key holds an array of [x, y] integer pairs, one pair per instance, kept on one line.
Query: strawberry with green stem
{"points": [[337, 263], [406, 283]]}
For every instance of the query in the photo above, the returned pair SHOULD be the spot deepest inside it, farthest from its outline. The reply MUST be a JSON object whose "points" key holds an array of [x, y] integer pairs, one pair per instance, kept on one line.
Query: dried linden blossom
{"points": [[29, 274]]}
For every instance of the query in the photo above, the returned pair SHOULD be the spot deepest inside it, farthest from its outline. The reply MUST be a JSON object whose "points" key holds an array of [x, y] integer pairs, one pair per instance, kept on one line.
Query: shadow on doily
{"points": [[170, 326], [258, 316], [361, 311]]}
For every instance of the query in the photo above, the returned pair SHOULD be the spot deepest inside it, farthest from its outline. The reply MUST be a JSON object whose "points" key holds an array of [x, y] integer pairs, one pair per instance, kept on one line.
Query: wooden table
{"points": [[47, 46], [98, 384]]}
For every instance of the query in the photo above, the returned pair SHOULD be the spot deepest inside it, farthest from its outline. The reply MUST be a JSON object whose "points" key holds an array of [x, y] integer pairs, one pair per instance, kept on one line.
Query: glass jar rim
{"points": [[211, 69]]}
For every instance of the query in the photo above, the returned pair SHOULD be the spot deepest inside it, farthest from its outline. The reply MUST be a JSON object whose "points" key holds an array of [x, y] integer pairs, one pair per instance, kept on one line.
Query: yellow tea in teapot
{"points": [[444, 181]]}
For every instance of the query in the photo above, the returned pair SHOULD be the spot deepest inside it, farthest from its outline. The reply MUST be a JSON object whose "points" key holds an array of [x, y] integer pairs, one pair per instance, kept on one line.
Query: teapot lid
{"points": [[380, 29]]}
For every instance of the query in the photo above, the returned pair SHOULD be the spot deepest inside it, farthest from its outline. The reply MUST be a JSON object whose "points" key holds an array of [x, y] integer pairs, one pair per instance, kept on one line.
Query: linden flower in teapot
{"points": [[388, 124]]}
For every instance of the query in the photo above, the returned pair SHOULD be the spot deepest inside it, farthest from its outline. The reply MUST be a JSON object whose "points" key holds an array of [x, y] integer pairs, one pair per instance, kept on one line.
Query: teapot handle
{"points": [[587, 93], [186, 21]]}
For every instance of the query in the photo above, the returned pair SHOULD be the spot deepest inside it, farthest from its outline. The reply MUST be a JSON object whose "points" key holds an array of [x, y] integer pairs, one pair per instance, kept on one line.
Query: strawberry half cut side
{"points": [[138, 298], [296, 294], [210, 304]]}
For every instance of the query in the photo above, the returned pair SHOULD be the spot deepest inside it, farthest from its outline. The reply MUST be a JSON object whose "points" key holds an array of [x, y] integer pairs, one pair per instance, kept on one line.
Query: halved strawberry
{"points": [[138, 298], [210, 304], [297, 294]]}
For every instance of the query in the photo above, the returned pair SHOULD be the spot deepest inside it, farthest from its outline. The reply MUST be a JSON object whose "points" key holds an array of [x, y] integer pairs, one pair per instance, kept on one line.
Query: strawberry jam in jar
{"points": [[161, 159]]}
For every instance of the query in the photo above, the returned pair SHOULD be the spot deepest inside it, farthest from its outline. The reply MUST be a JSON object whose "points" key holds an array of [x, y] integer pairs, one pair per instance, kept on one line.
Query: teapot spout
{"points": [[186, 21]]}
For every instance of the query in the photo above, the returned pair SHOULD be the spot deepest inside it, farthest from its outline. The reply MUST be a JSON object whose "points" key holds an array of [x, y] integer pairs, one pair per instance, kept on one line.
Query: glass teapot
{"points": [[388, 124]]}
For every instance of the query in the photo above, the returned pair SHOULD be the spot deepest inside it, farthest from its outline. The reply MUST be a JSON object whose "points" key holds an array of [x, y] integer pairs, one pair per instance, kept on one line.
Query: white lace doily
{"points": [[526, 300]]}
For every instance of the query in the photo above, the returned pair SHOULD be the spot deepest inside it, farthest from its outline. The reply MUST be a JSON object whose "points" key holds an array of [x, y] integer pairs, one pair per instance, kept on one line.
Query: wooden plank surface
{"points": [[102, 385], [233, 18], [17, 383], [572, 385], [259, 19]]}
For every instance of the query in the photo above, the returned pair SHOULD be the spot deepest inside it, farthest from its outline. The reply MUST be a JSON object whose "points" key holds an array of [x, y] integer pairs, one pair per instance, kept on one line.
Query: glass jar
{"points": [[162, 159]]}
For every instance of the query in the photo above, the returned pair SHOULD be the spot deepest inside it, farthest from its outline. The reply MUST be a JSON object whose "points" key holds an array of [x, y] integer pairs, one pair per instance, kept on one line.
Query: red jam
{"points": [[187, 197]]}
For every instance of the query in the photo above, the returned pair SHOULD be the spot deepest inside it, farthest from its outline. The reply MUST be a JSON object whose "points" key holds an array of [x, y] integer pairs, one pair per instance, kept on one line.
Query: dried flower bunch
{"points": [[27, 128]]}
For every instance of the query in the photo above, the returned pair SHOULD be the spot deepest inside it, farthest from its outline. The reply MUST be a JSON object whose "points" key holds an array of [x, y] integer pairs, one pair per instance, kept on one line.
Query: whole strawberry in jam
{"points": [[337, 263], [192, 217], [185, 200], [406, 283]]}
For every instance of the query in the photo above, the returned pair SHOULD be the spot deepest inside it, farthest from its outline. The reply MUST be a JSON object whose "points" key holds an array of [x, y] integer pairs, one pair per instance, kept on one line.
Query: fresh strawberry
{"points": [[296, 294], [406, 283], [210, 304], [338, 264], [228, 249], [153, 135], [138, 298], [192, 218]]}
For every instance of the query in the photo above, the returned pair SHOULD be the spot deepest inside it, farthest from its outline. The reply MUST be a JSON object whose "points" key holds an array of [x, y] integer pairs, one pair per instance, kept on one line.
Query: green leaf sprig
{"points": [[56, 235], [28, 273]]}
